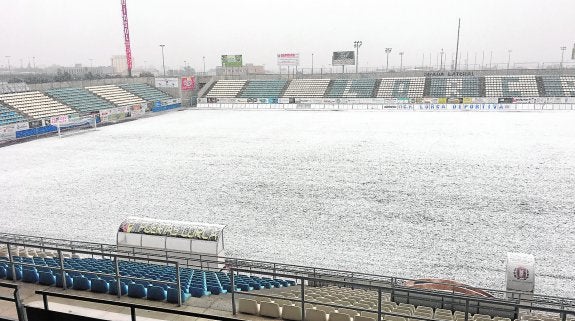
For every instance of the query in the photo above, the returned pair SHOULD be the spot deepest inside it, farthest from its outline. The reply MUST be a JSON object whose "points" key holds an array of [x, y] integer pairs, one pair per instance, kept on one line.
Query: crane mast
{"points": [[127, 38]]}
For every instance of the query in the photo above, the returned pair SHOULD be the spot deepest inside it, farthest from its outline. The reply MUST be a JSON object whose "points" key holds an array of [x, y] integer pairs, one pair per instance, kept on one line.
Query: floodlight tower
{"points": [[127, 38], [387, 51], [356, 45]]}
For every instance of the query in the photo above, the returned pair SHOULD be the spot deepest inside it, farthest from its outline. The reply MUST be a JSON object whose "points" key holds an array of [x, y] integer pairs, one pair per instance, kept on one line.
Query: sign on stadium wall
{"points": [[232, 61], [166, 82], [341, 58], [188, 83], [288, 59], [62, 119], [8, 132]]}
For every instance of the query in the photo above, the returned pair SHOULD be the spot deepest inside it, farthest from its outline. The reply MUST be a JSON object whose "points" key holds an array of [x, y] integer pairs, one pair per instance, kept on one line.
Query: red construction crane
{"points": [[127, 38]]}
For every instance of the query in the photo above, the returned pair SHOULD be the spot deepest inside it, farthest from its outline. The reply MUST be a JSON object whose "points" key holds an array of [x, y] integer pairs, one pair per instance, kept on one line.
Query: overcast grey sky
{"points": [[74, 31]]}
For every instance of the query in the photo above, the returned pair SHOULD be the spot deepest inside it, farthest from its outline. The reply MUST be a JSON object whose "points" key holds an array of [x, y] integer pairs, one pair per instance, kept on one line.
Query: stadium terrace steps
{"points": [[145, 91], [263, 89], [9, 116], [306, 88], [226, 88], [408, 87], [558, 86], [354, 88], [35, 104], [80, 99], [90, 275], [511, 86], [116, 95], [454, 87]]}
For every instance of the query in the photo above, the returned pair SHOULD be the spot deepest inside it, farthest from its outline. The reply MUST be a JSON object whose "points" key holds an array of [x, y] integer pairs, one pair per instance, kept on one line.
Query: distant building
{"points": [[240, 71], [120, 65]]}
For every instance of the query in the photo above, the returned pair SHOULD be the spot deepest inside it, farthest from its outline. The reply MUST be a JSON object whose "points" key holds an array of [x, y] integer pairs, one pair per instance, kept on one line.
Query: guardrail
{"points": [[16, 299], [210, 262], [132, 306]]}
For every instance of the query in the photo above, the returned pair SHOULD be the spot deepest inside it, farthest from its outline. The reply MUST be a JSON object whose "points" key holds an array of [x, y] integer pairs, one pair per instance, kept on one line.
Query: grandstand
{"points": [[8, 116], [455, 87], [79, 99], [559, 86], [145, 91], [116, 95], [306, 88], [511, 86], [355, 88], [35, 104], [226, 88], [411, 87], [263, 88]]}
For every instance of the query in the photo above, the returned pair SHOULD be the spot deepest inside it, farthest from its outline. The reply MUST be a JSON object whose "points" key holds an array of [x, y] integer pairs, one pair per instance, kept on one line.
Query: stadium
{"points": [[394, 195]]}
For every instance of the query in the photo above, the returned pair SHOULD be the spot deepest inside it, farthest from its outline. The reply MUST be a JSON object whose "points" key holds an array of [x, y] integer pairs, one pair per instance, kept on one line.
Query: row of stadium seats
{"points": [[559, 86], [145, 92], [408, 87], [116, 95], [89, 275], [21, 106], [79, 99], [35, 104], [8, 116]]}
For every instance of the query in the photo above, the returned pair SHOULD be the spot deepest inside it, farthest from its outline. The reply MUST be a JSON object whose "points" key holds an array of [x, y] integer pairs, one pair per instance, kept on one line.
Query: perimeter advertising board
{"points": [[232, 61], [166, 82], [288, 59], [342, 58]]}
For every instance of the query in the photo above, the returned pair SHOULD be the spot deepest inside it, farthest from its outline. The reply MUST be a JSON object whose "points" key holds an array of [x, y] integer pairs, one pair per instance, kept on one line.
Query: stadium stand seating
{"points": [[79, 99], [263, 89], [307, 88], [7, 88], [355, 88], [193, 282], [411, 87], [145, 91], [116, 95], [559, 86], [226, 88], [454, 87], [511, 86], [35, 104], [8, 116]]}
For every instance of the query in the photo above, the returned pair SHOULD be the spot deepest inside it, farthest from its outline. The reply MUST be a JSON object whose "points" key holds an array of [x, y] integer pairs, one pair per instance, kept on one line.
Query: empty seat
{"points": [[337, 316], [248, 306], [291, 312], [30, 276], [81, 283], [363, 318], [136, 290], [46, 278], [315, 315], [270, 309], [157, 293]]}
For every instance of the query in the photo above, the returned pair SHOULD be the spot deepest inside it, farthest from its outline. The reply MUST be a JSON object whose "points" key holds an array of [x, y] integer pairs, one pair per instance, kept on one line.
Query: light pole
{"points": [[387, 51], [356, 45], [401, 61], [91, 63], [562, 52], [441, 65], [163, 62], [312, 63], [34, 62], [508, 58], [204, 59], [9, 70]]}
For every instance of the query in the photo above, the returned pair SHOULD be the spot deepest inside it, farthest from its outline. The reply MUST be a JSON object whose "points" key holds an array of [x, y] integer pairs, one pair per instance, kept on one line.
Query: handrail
{"points": [[110, 250], [132, 306]]}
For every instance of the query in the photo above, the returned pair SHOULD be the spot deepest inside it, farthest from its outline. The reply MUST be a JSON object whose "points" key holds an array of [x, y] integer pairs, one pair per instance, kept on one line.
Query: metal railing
{"points": [[212, 262], [20, 311], [133, 306]]}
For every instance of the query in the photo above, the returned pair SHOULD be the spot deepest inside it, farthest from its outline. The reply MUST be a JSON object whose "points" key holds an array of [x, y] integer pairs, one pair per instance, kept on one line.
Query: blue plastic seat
{"points": [[100, 286], [113, 289], [30, 276], [69, 281], [46, 278], [173, 295], [136, 290], [157, 293], [9, 274], [81, 283], [2, 272]]}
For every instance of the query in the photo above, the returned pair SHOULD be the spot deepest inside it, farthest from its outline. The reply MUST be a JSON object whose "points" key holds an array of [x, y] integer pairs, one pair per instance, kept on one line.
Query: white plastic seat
{"points": [[270, 309], [248, 306]]}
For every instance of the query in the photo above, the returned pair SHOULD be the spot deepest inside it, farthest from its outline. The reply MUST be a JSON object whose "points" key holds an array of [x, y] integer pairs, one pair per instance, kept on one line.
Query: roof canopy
{"points": [[177, 229]]}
